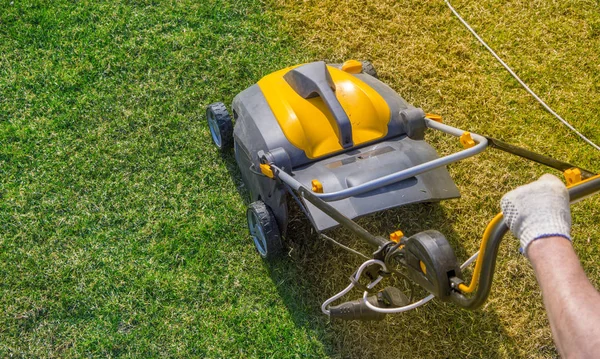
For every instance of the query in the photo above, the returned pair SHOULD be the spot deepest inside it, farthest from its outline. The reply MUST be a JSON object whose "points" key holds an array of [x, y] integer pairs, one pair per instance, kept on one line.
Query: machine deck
{"points": [[356, 167]]}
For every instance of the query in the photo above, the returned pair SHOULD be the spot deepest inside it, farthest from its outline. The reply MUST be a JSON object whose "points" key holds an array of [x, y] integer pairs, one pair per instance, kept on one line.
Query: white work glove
{"points": [[538, 210]]}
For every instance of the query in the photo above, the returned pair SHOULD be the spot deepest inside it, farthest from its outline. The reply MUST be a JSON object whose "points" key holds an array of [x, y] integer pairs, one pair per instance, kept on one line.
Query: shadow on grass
{"points": [[228, 158], [315, 270]]}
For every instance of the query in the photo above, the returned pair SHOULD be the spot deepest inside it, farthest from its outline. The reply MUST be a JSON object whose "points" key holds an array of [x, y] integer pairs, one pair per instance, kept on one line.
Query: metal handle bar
{"points": [[481, 145], [577, 192]]}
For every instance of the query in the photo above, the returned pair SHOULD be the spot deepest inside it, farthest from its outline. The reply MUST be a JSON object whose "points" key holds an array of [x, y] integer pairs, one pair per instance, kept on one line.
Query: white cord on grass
{"points": [[343, 246], [325, 305], [521, 81], [415, 304]]}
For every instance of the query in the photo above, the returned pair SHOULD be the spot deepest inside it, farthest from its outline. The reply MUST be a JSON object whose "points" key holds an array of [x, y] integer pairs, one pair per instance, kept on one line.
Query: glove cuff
{"points": [[546, 222], [528, 238]]}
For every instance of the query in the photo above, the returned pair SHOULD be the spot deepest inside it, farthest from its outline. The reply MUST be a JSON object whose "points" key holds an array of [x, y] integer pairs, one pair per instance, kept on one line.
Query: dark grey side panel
{"points": [[256, 129], [257, 126]]}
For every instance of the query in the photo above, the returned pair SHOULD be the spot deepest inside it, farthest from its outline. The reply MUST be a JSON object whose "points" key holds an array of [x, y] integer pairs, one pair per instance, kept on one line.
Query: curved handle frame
{"points": [[481, 144], [489, 251], [486, 262]]}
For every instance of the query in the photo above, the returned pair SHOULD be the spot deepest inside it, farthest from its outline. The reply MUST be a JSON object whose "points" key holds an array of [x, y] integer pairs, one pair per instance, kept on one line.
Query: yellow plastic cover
{"points": [[308, 123]]}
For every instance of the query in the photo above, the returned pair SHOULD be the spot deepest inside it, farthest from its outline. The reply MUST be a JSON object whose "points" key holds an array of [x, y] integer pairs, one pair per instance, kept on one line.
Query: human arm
{"points": [[539, 215], [571, 301]]}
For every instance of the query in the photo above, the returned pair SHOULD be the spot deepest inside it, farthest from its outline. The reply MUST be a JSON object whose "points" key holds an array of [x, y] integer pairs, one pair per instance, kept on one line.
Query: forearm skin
{"points": [[571, 301]]}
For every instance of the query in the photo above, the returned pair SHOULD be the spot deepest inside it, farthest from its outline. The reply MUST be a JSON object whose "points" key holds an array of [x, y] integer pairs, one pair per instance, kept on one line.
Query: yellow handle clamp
{"points": [[396, 236], [466, 140], [266, 170], [317, 186], [572, 176], [434, 117]]}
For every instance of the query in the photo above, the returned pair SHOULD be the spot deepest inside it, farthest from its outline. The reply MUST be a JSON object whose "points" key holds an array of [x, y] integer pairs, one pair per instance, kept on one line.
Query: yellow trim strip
{"points": [[584, 181], [477, 272], [423, 267], [266, 170]]}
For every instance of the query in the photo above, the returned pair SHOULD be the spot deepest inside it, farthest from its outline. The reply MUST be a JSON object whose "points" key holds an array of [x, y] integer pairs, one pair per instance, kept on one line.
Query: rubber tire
{"points": [[272, 237], [223, 124], [369, 69]]}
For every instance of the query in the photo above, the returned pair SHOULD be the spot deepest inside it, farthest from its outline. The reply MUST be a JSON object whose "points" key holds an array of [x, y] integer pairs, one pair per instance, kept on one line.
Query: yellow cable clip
{"points": [[317, 186], [352, 67], [572, 175], [434, 117], [266, 170], [466, 140], [396, 236]]}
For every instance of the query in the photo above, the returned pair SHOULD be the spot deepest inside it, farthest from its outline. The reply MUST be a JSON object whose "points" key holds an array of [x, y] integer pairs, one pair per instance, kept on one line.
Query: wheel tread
{"points": [[224, 123], [369, 69], [270, 229]]}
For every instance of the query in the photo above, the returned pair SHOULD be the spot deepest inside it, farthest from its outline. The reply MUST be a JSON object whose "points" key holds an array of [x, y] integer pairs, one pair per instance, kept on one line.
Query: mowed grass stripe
{"points": [[122, 230], [429, 58]]}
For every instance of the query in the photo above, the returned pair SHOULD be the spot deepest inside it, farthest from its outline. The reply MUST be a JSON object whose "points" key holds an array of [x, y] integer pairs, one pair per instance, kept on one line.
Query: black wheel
{"points": [[369, 69], [220, 124], [264, 231]]}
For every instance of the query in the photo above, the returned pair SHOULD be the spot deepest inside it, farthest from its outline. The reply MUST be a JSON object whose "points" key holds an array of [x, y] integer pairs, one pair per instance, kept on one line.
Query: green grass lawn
{"points": [[122, 230]]}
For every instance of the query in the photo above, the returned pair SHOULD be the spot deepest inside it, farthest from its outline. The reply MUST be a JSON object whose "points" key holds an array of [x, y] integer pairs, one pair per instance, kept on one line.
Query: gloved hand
{"points": [[538, 210]]}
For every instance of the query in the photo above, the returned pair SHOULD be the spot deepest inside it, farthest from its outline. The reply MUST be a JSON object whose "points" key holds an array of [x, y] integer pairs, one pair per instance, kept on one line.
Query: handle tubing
{"points": [[577, 192], [341, 219]]}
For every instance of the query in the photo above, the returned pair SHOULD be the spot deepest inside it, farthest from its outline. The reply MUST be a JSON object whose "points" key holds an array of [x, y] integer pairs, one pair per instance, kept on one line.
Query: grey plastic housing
{"points": [[257, 131]]}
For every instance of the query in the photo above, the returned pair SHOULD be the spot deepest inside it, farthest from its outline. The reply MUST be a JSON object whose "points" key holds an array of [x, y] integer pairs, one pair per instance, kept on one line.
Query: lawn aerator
{"points": [[344, 145]]}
